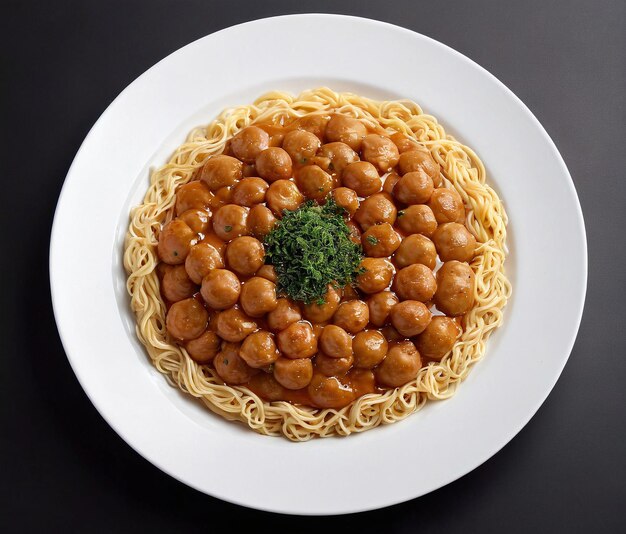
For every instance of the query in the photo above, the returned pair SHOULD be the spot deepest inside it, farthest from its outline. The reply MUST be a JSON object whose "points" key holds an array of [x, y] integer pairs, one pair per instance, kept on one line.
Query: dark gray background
{"points": [[63, 468]]}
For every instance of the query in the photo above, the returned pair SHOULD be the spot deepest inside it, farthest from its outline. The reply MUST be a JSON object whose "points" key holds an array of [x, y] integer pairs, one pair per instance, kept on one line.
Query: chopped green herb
{"points": [[372, 240], [303, 160], [400, 213], [225, 361], [176, 253], [228, 228], [320, 189]]}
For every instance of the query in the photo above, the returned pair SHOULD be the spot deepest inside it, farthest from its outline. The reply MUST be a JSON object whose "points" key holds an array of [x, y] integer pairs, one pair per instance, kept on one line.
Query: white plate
{"points": [[547, 266]]}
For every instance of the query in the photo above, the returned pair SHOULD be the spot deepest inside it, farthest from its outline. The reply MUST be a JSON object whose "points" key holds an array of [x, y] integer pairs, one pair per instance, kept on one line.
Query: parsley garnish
{"points": [[400, 213], [372, 240], [228, 228]]}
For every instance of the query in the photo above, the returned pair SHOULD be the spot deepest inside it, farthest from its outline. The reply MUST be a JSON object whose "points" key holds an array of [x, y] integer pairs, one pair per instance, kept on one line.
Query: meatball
{"points": [[268, 272], [376, 209], [297, 340], [380, 241], [301, 146], [245, 255], [274, 164], [314, 182], [417, 219], [231, 367], [455, 288], [415, 282], [258, 296], [414, 160], [267, 387], [410, 317], [259, 349], [201, 259], [248, 143], [377, 275], [335, 341], [293, 374], [404, 142], [285, 313], [193, 195], [177, 285], [314, 123], [249, 191], [346, 130], [230, 221], [438, 338], [447, 205], [380, 305], [175, 241], [283, 195], [220, 289], [319, 313], [212, 239], [454, 242], [352, 316], [363, 177], [400, 366], [390, 183], [261, 221], [204, 348], [186, 319], [380, 151], [221, 171], [339, 155], [198, 220], [354, 232], [331, 366], [329, 392], [234, 325], [414, 188], [370, 348], [416, 248], [347, 199]]}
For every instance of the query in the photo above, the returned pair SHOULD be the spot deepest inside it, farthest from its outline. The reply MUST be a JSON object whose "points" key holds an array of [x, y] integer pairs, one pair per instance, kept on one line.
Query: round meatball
{"points": [[230, 221], [293, 374], [376, 209], [347, 199], [400, 366], [234, 325], [231, 367], [410, 317], [416, 248], [347, 130], [177, 285], [248, 143], [220, 289], [314, 182], [198, 220], [314, 123], [320, 313], [415, 282], [404, 142], [390, 183], [274, 164], [380, 241], [283, 195], [414, 160], [455, 288], [268, 272], [417, 219], [335, 341], [193, 195], [201, 259], [331, 366], [339, 155], [186, 319], [352, 316], [258, 296], [447, 205], [301, 146], [211, 238], [285, 313], [329, 392], [249, 191], [297, 340], [438, 338], [370, 348], [245, 255], [377, 275], [259, 349], [414, 188], [221, 171], [204, 348], [454, 242], [261, 220], [380, 151], [175, 241], [380, 305], [363, 177]]}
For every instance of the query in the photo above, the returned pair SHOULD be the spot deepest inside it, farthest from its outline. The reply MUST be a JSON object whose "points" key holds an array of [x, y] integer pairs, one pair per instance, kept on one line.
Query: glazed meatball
{"points": [[335, 341], [370, 348], [198, 220], [221, 171], [234, 325], [201, 259], [231, 367], [301, 146], [380, 151], [447, 205], [293, 374], [391, 181], [204, 348], [404, 142], [339, 155], [268, 272], [319, 313], [377, 275], [400, 366], [267, 387], [285, 313], [283, 195], [454, 242], [376, 209], [314, 182], [346, 130], [220, 289], [175, 241], [245, 255], [248, 143], [331, 366], [249, 191], [186, 319], [329, 392], [380, 241], [438, 338], [347, 199], [363, 177], [211, 238], [415, 282], [259, 349], [380, 305], [417, 219], [261, 220], [230, 221], [297, 340], [455, 288], [416, 248], [354, 232], [414, 188], [193, 195], [352, 316], [258, 296], [410, 317], [314, 123], [177, 285], [415, 160], [274, 164]]}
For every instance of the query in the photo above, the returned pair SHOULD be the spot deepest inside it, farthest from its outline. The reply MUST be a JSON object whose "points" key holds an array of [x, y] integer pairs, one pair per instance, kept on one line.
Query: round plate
{"points": [[387, 465]]}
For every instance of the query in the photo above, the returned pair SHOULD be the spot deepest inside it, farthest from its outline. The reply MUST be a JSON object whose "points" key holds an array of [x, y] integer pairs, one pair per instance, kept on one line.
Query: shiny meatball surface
{"points": [[220, 289], [245, 255], [346, 130], [455, 288], [249, 143], [380, 151], [400, 366], [438, 338], [454, 242], [415, 282], [187, 319]]}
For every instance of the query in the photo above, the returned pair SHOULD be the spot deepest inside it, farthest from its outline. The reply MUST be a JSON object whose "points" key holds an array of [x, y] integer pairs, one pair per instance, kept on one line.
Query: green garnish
{"points": [[320, 189], [400, 213], [311, 248], [228, 228], [372, 240]]}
